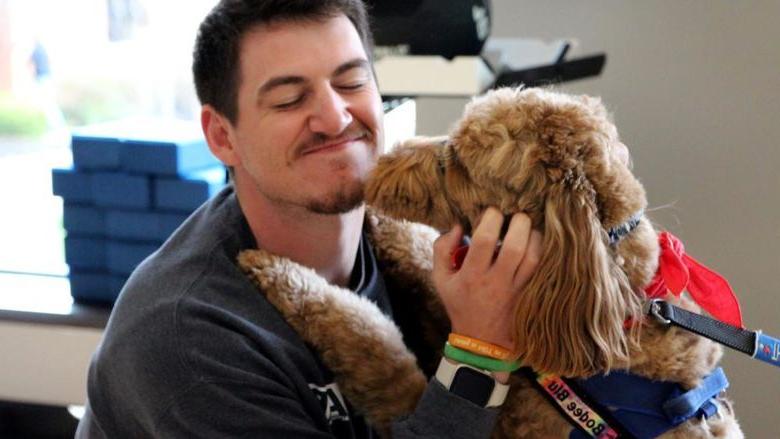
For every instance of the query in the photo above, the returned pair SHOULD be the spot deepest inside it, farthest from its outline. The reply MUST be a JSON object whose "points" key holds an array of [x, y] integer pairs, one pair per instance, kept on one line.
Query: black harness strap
{"points": [[723, 333]]}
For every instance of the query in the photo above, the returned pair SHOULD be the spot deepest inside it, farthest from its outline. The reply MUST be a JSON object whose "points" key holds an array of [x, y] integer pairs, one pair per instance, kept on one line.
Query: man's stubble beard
{"points": [[345, 198], [343, 201]]}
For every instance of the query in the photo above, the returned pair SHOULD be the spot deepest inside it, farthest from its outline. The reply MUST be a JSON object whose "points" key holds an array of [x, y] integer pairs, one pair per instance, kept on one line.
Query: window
{"points": [[75, 63]]}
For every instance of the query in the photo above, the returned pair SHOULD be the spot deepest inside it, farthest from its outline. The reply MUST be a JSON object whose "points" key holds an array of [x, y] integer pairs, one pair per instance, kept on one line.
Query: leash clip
{"points": [[653, 308]]}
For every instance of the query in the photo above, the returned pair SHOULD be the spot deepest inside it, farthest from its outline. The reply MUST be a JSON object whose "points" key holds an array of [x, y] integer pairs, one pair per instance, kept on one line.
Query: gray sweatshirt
{"points": [[194, 350]]}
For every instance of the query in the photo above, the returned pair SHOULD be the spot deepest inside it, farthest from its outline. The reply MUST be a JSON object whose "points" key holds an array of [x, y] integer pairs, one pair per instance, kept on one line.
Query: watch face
{"points": [[472, 385]]}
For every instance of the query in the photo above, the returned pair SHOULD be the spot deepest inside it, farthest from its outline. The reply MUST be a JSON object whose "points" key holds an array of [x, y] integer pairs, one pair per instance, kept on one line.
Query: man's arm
{"points": [[441, 414], [211, 409], [481, 295], [260, 406]]}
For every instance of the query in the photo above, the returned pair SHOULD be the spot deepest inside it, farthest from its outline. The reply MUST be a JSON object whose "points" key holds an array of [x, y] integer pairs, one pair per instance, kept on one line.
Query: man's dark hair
{"points": [[216, 66]]}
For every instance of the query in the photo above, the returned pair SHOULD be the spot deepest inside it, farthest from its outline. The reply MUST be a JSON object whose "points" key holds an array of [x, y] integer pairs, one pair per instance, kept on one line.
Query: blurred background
{"points": [[694, 87], [75, 63]]}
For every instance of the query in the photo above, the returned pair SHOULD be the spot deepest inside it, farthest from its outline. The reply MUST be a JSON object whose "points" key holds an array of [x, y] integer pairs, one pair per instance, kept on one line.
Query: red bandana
{"points": [[677, 271]]}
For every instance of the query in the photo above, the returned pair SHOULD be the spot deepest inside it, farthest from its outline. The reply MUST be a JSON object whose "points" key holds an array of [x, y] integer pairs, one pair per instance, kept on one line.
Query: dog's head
{"points": [[558, 158]]}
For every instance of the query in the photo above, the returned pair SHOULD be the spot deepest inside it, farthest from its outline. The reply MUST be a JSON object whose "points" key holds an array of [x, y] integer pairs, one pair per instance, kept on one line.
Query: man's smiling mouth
{"points": [[333, 145]]}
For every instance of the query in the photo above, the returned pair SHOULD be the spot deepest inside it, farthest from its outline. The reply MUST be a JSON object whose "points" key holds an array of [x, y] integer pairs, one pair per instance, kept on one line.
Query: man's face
{"points": [[309, 125]]}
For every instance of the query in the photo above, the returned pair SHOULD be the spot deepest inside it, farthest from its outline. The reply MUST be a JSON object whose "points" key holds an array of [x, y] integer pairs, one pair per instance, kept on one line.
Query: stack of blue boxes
{"points": [[132, 183]]}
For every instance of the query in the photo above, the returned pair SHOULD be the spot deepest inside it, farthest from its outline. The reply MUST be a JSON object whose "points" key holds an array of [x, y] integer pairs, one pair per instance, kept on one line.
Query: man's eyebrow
{"points": [[277, 82], [356, 63], [296, 80]]}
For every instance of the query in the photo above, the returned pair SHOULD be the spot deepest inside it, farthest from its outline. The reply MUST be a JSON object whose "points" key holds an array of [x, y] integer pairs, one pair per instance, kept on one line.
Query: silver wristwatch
{"points": [[475, 385]]}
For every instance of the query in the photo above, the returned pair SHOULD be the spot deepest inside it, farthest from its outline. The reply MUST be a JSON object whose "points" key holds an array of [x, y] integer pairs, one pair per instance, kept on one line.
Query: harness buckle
{"points": [[653, 308]]}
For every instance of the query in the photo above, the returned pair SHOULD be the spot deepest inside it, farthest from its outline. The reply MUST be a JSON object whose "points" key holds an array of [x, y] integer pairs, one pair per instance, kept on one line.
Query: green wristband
{"points": [[478, 361]]}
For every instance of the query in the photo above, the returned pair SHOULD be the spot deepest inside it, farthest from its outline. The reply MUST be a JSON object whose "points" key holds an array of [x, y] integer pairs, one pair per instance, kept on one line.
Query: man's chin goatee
{"points": [[342, 202]]}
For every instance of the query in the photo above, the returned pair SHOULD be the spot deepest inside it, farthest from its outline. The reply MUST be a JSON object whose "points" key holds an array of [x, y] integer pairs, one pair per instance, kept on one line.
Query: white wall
{"points": [[49, 362], [695, 89]]}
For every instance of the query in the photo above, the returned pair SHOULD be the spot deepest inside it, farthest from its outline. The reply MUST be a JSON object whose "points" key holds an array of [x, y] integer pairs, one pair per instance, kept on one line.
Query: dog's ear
{"points": [[570, 317], [406, 183]]}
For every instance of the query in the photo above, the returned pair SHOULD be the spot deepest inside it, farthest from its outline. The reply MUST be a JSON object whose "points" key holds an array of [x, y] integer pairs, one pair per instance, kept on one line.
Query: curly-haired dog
{"points": [[559, 159]]}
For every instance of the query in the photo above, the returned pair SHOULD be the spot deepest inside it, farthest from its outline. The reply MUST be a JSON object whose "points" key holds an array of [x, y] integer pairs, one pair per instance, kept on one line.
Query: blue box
{"points": [[113, 189], [95, 153], [189, 192], [85, 253], [95, 287], [123, 257], [144, 226], [73, 186], [160, 146], [166, 158], [84, 220]]}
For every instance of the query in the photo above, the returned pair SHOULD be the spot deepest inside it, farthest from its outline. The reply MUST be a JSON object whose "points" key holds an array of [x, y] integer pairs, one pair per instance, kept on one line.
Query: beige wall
{"points": [[695, 88]]}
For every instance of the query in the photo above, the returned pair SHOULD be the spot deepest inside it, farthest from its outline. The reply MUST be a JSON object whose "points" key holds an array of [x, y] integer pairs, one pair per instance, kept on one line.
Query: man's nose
{"points": [[331, 115]]}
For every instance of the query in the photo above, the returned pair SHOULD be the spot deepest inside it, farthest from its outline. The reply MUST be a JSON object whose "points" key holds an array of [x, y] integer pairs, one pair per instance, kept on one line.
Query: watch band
{"points": [[446, 372]]}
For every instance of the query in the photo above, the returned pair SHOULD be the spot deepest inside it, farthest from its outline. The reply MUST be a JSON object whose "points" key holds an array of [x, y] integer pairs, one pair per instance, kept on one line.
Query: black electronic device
{"points": [[443, 48], [445, 28], [473, 386]]}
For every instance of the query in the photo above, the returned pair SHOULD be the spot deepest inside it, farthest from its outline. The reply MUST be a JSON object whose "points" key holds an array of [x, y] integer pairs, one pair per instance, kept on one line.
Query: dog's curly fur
{"points": [[557, 158], [550, 155]]}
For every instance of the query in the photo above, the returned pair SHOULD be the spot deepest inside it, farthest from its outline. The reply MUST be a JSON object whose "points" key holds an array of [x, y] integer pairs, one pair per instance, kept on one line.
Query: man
{"points": [[193, 349]]}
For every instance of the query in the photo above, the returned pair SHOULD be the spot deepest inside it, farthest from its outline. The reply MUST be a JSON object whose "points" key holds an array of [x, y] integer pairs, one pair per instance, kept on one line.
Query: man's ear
{"points": [[217, 130]]}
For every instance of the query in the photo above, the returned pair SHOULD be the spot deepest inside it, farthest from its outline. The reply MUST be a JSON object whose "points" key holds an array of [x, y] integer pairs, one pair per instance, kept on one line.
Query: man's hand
{"points": [[480, 297]]}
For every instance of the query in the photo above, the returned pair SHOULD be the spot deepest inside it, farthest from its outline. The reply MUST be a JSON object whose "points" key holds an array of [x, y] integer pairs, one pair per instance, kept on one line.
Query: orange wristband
{"points": [[479, 347]]}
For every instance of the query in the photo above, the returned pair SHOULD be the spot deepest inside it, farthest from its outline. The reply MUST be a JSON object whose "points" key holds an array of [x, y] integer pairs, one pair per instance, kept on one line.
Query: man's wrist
{"points": [[496, 337], [479, 361], [501, 377]]}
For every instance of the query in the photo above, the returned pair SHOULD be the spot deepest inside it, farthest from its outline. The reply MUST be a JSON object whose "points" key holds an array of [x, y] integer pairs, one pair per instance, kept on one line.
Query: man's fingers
{"points": [[484, 240], [514, 245], [531, 259]]}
